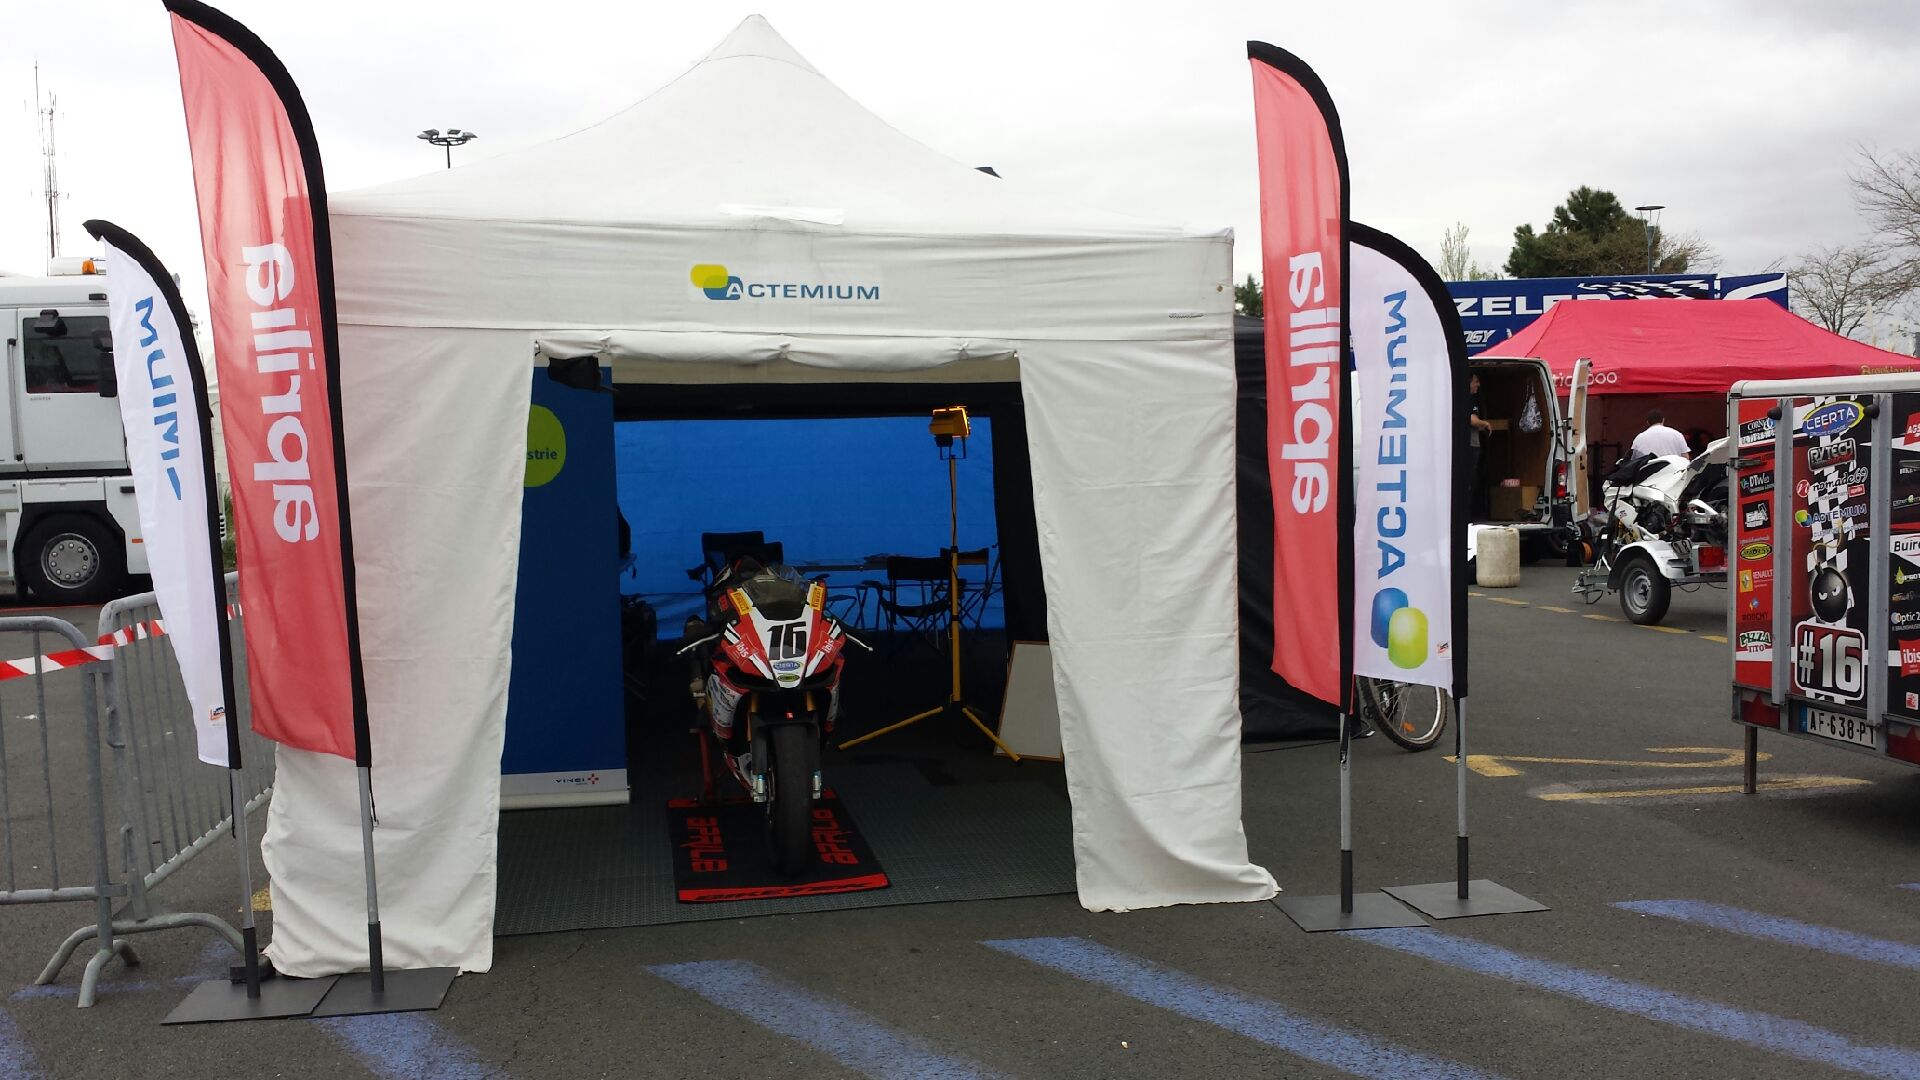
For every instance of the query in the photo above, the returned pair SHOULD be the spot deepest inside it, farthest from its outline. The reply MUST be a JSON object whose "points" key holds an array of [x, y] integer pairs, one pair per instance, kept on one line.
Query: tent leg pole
{"points": [[1346, 815], [376, 966], [1460, 783], [242, 838]]}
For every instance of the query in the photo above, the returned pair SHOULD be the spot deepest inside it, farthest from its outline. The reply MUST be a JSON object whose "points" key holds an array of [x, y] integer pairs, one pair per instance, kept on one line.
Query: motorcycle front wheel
{"points": [[1413, 716], [790, 803]]}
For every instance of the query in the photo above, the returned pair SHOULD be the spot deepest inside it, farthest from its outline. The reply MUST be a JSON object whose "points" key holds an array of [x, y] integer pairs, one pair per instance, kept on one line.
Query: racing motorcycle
{"points": [[767, 661], [1664, 525]]}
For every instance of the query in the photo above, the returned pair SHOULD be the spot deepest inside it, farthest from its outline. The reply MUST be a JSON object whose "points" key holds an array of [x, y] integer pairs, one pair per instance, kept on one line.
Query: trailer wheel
{"points": [[1644, 594], [72, 559]]}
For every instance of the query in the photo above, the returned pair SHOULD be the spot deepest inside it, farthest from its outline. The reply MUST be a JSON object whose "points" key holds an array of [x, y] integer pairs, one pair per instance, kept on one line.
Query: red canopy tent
{"points": [[1679, 347]]}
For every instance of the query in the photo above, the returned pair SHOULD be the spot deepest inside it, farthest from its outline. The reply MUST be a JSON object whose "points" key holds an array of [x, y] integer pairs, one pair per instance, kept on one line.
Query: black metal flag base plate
{"points": [[415, 990], [1441, 899], [1371, 911], [221, 999]]}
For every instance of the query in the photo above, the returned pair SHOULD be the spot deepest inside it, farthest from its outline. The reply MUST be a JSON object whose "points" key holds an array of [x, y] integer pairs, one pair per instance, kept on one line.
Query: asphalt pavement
{"points": [[1693, 931]]}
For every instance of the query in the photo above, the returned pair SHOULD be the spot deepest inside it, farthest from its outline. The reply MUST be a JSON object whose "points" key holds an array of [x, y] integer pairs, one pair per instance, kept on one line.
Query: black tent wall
{"points": [[1270, 708]]}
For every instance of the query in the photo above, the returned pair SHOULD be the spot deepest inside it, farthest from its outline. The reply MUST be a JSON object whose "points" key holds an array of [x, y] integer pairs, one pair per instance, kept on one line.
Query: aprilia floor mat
{"points": [[720, 854]]}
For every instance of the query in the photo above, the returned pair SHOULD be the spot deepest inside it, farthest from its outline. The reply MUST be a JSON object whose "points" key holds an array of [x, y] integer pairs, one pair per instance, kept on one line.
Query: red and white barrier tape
{"points": [[67, 658]]}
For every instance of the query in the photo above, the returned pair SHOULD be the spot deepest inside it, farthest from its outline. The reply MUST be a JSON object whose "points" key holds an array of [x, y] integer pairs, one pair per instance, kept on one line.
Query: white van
{"points": [[68, 518], [1527, 460]]}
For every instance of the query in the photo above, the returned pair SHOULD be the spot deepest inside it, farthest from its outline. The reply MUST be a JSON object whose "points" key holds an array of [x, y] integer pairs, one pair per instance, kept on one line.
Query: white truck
{"points": [[68, 518]]}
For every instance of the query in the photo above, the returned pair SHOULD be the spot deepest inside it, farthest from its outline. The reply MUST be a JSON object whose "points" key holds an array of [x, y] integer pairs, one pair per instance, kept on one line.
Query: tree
{"points": [[1456, 260], [1887, 190], [1591, 233], [1248, 299], [1841, 287]]}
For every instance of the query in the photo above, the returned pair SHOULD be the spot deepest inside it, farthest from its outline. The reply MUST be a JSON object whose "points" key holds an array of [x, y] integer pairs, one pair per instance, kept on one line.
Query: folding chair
{"points": [[974, 597], [914, 594], [718, 550]]}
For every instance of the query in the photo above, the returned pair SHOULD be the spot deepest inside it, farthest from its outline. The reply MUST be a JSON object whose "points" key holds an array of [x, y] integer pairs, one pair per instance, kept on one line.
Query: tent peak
{"points": [[756, 37]]}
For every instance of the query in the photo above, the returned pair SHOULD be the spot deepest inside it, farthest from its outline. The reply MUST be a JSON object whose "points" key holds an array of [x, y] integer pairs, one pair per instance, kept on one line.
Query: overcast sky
{"points": [[1742, 119]]}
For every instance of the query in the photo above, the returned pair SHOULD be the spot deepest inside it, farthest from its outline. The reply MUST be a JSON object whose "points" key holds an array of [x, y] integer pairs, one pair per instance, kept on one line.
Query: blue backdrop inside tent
{"points": [[829, 490]]}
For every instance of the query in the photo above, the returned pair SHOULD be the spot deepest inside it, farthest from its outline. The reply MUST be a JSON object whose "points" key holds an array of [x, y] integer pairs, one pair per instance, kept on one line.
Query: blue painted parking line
{"points": [[1256, 1018], [1779, 928], [857, 1040], [1913, 885], [407, 1046], [1762, 1030], [15, 1059]]}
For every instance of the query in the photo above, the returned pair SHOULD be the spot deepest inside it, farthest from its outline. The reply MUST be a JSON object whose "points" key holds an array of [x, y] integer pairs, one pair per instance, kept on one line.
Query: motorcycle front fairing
{"points": [[779, 659]]}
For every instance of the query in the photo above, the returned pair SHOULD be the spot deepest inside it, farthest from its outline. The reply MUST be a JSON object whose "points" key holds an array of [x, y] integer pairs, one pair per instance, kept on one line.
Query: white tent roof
{"points": [[751, 131]]}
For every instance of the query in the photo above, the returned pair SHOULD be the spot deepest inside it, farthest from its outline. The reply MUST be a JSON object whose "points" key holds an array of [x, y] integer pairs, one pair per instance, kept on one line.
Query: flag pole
{"points": [[156, 355], [376, 963]]}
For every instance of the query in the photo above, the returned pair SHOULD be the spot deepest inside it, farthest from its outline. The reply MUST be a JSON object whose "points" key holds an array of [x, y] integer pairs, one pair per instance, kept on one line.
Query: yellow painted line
{"points": [[1472, 593], [1718, 758], [1791, 783], [1561, 610], [1713, 637], [1504, 600], [1603, 618], [263, 900], [1667, 629]]}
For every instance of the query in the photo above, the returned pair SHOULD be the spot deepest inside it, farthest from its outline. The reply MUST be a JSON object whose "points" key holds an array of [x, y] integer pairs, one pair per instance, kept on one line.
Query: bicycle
{"points": [[1410, 714]]}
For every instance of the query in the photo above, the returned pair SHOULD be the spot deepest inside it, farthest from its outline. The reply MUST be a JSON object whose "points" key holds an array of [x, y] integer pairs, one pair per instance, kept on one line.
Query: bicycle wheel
{"points": [[1411, 715]]}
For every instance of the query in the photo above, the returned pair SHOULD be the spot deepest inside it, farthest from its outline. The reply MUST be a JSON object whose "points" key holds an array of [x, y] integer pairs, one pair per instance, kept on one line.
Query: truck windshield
{"points": [[67, 356]]}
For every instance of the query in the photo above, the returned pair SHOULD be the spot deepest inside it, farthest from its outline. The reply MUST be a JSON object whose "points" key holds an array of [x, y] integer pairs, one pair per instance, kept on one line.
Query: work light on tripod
{"points": [[949, 428]]}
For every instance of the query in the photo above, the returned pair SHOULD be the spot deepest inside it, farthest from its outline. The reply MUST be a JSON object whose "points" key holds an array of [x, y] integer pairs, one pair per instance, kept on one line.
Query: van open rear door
{"points": [[1575, 438]]}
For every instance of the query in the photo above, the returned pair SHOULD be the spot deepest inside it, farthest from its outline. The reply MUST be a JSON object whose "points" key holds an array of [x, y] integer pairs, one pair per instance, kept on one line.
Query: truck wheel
{"points": [[1644, 594], [72, 559]]}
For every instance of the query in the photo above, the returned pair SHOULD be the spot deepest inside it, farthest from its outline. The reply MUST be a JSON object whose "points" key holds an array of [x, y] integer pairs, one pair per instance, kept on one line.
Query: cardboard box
{"points": [[1497, 424], [1529, 495], [1504, 504]]}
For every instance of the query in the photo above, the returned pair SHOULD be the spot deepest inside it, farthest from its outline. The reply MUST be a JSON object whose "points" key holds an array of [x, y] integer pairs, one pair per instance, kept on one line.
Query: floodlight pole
{"points": [[447, 140], [1646, 219]]}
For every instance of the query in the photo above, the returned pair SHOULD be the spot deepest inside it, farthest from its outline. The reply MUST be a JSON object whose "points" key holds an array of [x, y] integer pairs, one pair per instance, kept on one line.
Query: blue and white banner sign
{"points": [[1408, 501], [162, 406], [1494, 310]]}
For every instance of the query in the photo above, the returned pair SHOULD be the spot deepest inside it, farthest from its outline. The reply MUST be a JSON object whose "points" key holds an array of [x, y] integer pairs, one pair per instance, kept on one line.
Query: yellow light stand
{"points": [[948, 425]]}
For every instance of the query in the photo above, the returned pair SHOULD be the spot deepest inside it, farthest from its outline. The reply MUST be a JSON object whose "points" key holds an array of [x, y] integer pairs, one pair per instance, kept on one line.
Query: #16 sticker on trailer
{"points": [[1830, 555]]}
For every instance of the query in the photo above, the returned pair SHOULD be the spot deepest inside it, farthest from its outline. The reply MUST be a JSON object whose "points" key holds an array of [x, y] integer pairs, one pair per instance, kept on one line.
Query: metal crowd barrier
{"points": [[160, 807]]}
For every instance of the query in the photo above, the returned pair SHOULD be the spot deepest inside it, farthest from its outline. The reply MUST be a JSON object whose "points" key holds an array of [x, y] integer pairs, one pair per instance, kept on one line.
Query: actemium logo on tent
{"points": [[717, 283]]}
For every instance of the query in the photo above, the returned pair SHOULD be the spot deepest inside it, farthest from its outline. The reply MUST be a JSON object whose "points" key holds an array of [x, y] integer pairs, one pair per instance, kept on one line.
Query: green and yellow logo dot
{"points": [[1399, 628], [546, 446]]}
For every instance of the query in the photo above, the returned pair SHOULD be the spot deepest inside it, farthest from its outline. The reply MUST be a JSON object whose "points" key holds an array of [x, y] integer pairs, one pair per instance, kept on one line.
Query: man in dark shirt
{"points": [[1477, 428]]}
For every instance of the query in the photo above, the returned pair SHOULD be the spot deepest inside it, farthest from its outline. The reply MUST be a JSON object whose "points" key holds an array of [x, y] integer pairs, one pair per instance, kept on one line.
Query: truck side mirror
{"points": [[109, 385]]}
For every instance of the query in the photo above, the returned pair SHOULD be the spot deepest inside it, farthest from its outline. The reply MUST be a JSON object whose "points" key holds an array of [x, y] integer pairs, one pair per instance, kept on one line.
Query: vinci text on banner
{"points": [[263, 223], [1303, 212], [1409, 513], [163, 406]]}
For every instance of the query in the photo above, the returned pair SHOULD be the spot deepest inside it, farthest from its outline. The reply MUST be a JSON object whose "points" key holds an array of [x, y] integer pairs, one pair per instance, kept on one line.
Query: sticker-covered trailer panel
{"points": [[1903, 598], [1753, 560], [1829, 566]]}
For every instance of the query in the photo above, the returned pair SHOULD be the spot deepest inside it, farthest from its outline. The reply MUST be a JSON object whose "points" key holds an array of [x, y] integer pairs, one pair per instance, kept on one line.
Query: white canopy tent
{"points": [[750, 222]]}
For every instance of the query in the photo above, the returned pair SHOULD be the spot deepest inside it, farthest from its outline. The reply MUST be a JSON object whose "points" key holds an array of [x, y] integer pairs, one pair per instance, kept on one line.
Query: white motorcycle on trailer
{"points": [[1663, 526]]}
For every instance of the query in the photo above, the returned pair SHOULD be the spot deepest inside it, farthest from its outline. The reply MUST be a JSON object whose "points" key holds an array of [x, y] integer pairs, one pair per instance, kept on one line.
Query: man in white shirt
{"points": [[1659, 439]]}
